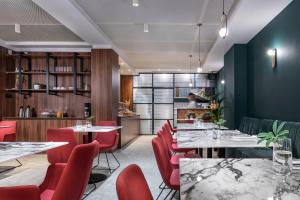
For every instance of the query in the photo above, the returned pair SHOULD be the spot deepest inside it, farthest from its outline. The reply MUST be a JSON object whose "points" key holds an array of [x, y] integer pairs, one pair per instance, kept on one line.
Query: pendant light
{"points": [[199, 69], [191, 81], [223, 32]]}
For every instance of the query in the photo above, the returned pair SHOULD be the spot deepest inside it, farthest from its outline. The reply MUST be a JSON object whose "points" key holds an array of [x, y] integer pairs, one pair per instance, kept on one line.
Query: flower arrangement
{"points": [[217, 110]]}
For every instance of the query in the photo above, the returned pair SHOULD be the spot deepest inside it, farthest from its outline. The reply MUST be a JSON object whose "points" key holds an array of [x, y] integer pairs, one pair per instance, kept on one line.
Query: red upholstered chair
{"points": [[132, 185], [8, 134], [61, 154], [169, 175], [174, 159], [63, 181], [108, 143], [170, 142]]}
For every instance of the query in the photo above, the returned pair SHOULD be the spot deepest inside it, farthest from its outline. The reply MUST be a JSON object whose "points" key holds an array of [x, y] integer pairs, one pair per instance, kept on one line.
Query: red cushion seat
{"points": [[175, 180]]}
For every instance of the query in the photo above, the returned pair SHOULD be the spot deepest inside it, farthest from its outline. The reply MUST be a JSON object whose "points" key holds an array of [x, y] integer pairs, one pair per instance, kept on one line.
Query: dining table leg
{"points": [[209, 152]]}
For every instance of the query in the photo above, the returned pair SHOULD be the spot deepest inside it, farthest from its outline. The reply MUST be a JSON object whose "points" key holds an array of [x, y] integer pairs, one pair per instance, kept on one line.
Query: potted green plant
{"points": [[216, 107], [278, 133], [282, 147]]}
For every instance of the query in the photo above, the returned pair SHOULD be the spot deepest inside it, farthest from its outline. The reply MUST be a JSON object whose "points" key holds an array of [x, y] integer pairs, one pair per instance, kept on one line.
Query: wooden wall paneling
{"points": [[7, 101], [105, 84], [126, 89]]}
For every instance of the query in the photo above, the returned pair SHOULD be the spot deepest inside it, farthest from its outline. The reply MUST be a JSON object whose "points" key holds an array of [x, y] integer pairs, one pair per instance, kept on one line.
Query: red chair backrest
{"points": [[168, 137], [132, 185], [110, 137], [75, 176], [162, 160], [61, 154], [160, 134], [8, 134], [170, 126]]}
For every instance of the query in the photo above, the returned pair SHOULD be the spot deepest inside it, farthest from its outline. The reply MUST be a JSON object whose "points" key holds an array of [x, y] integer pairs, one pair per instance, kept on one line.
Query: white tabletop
{"points": [[235, 179], [198, 126], [96, 129], [204, 139], [14, 150]]}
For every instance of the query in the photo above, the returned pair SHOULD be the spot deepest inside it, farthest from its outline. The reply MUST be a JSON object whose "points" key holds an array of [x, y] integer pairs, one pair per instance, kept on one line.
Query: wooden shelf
{"points": [[61, 73], [28, 73], [62, 91], [84, 91], [26, 90]]}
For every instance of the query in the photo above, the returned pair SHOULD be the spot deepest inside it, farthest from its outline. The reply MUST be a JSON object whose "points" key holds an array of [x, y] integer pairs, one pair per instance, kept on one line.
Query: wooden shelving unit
{"points": [[77, 78]]}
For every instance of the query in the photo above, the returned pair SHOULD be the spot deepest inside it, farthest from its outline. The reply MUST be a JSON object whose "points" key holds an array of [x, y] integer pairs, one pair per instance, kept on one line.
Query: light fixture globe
{"points": [[199, 69], [223, 32]]}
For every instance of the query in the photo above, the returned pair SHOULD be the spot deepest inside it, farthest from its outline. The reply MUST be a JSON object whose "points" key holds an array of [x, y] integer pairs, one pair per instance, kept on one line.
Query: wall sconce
{"points": [[223, 82], [273, 54]]}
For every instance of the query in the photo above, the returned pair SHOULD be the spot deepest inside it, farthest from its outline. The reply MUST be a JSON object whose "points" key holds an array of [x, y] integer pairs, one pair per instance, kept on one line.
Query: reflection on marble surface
{"points": [[198, 126], [14, 150], [235, 179], [205, 139]]}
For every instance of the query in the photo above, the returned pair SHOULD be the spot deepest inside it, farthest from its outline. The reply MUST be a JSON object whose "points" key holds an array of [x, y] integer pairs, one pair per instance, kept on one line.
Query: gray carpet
{"points": [[139, 152]]}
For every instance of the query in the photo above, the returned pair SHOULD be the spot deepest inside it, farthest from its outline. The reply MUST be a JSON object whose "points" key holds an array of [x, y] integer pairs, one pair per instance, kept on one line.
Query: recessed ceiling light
{"points": [[146, 28], [135, 3], [18, 28]]}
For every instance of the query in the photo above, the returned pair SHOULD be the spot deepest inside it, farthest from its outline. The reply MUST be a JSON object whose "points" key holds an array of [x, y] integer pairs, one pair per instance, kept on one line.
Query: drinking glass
{"points": [[79, 124], [282, 156]]}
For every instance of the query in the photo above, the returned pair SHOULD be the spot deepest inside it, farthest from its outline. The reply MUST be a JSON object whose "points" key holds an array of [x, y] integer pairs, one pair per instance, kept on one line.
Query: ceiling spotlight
{"points": [[223, 32], [199, 69], [18, 28], [146, 28], [135, 3]]}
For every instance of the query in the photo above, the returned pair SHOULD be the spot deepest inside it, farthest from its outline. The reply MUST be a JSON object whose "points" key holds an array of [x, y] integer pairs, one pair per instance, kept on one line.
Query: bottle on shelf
{"points": [[27, 112], [21, 112]]}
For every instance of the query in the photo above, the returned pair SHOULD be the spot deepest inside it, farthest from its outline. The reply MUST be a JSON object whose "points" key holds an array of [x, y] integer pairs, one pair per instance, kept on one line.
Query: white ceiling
{"points": [[173, 34], [173, 31], [36, 24]]}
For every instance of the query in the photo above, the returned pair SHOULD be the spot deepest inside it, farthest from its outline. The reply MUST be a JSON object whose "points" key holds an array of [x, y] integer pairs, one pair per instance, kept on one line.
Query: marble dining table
{"points": [[236, 179], [14, 150], [198, 126], [206, 139]]}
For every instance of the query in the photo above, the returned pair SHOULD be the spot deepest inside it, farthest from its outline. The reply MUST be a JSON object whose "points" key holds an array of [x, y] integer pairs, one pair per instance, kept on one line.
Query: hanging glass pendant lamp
{"points": [[223, 32]]}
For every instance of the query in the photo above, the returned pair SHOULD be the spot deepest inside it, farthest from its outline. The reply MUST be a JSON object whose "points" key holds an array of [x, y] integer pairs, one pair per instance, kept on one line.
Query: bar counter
{"points": [[130, 128]]}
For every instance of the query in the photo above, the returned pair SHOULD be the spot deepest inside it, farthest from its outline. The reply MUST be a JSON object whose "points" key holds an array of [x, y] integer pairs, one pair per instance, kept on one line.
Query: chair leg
{"points": [[168, 194], [112, 153], [89, 192], [161, 191], [108, 163], [161, 186], [173, 195], [19, 165]]}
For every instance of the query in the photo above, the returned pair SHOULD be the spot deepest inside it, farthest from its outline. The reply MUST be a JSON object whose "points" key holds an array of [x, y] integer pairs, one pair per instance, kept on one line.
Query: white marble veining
{"points": [[198, 126], [206, 139], [235, 179], [96, 129], [14, 150]]}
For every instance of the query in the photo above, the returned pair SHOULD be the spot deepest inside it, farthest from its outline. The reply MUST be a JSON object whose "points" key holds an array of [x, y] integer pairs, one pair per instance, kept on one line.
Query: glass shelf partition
{"points": [[163, 80], [156, 96], [143, 80]]}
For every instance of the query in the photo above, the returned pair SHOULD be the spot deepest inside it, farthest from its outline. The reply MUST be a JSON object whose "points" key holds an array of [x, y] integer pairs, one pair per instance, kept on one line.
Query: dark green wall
{"points": [[275, 93], [235, 89]]}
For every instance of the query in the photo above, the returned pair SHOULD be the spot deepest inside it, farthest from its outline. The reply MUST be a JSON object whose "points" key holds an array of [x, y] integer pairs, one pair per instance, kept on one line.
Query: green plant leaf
{"points": [[283, 133], [275, 127], [268, 143], [280, 127], [264, 134]]}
